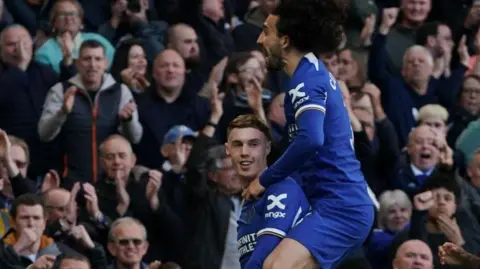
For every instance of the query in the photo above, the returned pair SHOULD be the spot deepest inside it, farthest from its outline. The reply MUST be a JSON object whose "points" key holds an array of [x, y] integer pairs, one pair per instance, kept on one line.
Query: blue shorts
{"points": [[330, 234]]}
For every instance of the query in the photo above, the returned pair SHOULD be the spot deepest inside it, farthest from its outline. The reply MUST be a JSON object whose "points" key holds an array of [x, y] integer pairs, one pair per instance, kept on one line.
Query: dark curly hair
{"points": [[312, 25]]}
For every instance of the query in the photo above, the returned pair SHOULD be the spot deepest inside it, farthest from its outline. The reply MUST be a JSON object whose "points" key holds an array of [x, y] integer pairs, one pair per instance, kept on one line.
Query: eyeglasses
{"points": [[126, 241], [67, 14]]}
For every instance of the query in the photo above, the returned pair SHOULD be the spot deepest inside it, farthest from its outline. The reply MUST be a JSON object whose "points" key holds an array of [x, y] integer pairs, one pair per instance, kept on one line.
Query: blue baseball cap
{"points": [[175, 131]]}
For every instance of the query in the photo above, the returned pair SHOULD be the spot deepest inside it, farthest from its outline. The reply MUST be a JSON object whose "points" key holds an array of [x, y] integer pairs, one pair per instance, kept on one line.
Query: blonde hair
{"points": [[388, 199], [127, 221], [432, 111]]}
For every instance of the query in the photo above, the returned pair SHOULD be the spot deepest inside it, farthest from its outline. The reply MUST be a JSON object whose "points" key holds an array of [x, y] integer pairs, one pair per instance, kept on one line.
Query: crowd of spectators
{"points": [[113, 117]]}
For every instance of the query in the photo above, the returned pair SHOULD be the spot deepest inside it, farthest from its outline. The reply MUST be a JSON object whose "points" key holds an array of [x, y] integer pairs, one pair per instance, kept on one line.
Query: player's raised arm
{"points": [[309, 102], [285, 206]]}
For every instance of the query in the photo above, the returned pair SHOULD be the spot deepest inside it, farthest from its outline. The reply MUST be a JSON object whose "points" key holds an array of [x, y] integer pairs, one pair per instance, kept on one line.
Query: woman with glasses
{"points": [[62, 49]]}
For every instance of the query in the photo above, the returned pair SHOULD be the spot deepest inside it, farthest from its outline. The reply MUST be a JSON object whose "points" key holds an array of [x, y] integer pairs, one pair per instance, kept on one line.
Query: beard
{"points": [[274, 58], [192, 62]]}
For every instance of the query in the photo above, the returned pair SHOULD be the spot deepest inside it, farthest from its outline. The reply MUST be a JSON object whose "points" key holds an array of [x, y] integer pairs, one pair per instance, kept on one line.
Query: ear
{"points": [[106, 63], [212, 177], [227, 149], [284, 42], [164, 150], [134, 159], [268, 149], [469, 172], [147, 245], [112, 249]]}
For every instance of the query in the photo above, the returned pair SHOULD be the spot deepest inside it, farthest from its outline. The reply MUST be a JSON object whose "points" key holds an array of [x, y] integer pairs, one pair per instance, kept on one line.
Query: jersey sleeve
{"points": [[283, 209], [311, 95], [309, 102]]}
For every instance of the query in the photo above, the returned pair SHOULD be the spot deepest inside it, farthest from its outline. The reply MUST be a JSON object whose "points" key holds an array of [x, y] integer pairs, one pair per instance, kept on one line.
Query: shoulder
{"points": [[48, 45], [287, 186], [312, 81]]}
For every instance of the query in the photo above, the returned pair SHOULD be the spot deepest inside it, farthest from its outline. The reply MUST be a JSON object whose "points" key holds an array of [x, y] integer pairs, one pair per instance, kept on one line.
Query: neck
{"points": [[291, 60], [419, 87], [128, 266], [247, 180], [168, 96], [410, 24], [92, 85]]}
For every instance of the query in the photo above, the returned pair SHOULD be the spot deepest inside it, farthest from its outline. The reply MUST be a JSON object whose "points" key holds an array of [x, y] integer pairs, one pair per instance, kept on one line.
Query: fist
{"points": [[44, 262], [69, 99], [423, 201], [389, 16], [127, 111]]}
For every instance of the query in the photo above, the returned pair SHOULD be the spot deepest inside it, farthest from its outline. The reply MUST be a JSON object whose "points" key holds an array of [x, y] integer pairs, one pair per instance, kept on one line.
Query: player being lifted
{"points": [[320, 155], [263, 222]]}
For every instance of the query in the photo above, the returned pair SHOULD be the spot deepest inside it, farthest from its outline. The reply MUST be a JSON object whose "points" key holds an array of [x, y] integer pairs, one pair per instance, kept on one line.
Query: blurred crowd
{"points": [[113, 119]]}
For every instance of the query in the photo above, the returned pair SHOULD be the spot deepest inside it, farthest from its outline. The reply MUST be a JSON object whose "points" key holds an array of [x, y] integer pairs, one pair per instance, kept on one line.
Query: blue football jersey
{"points": [[332, 175], [281, 207]]}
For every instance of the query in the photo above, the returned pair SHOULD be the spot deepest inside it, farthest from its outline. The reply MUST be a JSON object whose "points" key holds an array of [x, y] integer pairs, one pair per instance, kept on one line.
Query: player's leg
{"points": [[290, 254], [325, 237]]}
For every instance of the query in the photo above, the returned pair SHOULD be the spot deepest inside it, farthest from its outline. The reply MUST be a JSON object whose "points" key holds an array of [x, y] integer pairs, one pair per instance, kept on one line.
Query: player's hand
{"points": [[452, 254], [254, 190]]}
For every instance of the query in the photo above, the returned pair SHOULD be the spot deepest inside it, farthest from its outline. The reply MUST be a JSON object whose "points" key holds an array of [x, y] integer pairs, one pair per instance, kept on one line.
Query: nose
{"points": [[260, 39], [30, 222], [245, 151], [116, 159]]}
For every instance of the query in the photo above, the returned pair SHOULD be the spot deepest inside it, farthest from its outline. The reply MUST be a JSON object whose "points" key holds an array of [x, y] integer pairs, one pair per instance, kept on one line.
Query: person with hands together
{"points": [[14, 156], [25, 245], [63, 48]]}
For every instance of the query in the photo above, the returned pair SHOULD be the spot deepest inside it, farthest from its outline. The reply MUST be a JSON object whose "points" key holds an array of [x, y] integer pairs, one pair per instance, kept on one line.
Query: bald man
{"points": [[56, 202], [183, 39], [413, 254], [424, 149], [170, 105]]}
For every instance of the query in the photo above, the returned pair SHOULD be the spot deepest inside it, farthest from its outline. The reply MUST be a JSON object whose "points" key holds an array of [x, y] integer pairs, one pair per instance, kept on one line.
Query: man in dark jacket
{"points": [[25, 84]]}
